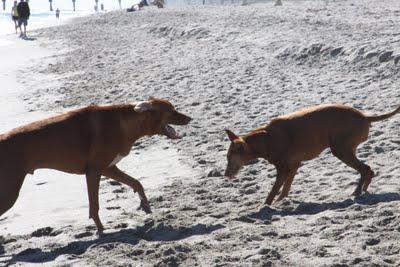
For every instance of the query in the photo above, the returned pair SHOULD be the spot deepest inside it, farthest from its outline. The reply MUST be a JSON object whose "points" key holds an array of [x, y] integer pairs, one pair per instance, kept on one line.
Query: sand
{"points": [[231, 67]]}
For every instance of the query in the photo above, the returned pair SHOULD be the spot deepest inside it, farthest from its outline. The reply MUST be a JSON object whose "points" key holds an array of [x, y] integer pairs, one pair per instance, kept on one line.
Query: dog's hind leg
{"points": [[289, 180], [367, 181], [282, 176], [93, 183], [10, 185], [118, 175], [346, 153]]}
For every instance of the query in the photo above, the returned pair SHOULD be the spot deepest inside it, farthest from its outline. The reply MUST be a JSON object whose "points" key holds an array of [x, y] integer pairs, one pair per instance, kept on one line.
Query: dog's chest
{"points": [[116, 160]]}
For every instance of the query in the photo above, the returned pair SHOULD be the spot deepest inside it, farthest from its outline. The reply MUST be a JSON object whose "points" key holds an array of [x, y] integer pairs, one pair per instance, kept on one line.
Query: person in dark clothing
{"points": [[23, 16], [144, 3], [138, 7]]}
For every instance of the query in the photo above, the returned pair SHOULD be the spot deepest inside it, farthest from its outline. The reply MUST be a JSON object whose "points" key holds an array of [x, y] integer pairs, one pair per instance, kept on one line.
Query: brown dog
{"points": [[288, 140], [89, 141]]}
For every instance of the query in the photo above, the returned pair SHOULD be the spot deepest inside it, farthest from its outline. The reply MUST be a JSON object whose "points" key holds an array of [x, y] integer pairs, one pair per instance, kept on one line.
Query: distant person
{"points": [[133, 8], [159, 3], [102, 7], [144, 3], [23, 15], [138, 7], [14, 16], [57, 13]]}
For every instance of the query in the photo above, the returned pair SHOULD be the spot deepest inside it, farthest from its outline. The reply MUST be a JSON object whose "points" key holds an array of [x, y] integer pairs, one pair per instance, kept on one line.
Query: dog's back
{"points": [[306, 133], [62, 142], [328, 115]]}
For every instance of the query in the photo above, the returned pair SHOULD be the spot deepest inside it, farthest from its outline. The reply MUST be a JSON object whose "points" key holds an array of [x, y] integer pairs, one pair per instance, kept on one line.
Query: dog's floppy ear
{"points": [[143, 106], [231, 135]]}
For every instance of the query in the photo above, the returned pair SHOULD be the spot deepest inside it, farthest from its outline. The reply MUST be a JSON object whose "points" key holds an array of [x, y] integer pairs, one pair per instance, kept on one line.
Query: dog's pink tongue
{"points": [[171, 133]]}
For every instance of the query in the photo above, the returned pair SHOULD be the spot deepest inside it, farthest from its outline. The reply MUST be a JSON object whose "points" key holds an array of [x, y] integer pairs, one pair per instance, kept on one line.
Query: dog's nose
{"points": [[181, 119], [185, 119]]}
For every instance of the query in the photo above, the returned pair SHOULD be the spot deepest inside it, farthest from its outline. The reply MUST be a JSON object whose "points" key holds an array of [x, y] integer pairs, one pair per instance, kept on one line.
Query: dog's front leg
{"points": [[288, 181], [93, 182], [114, 173], [282, 174]]}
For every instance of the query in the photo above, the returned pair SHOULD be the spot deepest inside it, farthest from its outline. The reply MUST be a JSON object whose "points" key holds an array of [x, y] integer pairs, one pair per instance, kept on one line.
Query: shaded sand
{"points": [[54, 198], [234, 67], [51, 198]]}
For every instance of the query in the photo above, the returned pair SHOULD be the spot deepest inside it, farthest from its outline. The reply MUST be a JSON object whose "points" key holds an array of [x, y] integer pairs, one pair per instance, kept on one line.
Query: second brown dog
{"points": [[288, 140]]}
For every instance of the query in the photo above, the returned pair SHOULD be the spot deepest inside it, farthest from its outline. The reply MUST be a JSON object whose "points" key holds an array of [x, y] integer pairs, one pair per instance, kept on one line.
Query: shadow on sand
{"points": [[310, 208], [160, 232], [26, 38]]}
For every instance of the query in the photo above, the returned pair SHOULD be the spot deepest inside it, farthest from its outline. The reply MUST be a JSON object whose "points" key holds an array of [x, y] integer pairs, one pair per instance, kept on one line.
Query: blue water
{"points": [[42, 16], [81, 5], [36, 20]]}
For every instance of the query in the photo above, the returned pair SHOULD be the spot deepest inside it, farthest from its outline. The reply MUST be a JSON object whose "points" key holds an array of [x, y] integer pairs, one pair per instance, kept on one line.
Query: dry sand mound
{"points": [[237, 67]]}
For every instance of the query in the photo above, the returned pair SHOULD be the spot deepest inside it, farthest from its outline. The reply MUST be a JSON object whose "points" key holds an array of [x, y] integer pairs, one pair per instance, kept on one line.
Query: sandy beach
{"points": [[229, 66]]}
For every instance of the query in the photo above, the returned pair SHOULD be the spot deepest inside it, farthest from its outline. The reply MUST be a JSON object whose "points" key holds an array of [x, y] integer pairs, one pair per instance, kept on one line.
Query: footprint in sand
{"points": [[83, 234], [46, 231]]}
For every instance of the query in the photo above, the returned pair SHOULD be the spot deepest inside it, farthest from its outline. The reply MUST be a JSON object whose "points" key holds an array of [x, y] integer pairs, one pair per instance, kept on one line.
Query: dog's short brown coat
{"points": [[87, 141], [290, 139]]}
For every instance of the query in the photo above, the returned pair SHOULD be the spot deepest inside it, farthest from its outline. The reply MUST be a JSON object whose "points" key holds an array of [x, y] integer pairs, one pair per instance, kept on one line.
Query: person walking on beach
{"points": [[23, 16], [14, 16], [57, 13]]}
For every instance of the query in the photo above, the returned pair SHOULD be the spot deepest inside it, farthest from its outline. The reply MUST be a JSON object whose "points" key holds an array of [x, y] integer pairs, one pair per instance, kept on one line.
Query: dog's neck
{"points": [[144, 124], [257, 142]]}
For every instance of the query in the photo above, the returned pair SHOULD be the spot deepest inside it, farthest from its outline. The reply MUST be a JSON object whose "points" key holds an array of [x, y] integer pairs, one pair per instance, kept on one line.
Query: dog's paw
{"points": [[100, 233], [145, 206]]}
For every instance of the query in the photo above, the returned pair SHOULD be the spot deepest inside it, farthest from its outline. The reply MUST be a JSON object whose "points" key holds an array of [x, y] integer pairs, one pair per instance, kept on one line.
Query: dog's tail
{"points": [[382, 117]]}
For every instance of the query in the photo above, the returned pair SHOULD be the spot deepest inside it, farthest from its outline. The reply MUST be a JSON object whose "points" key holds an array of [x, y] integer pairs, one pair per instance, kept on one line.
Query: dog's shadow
{"points": [[310, 208], [161, 232]]}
